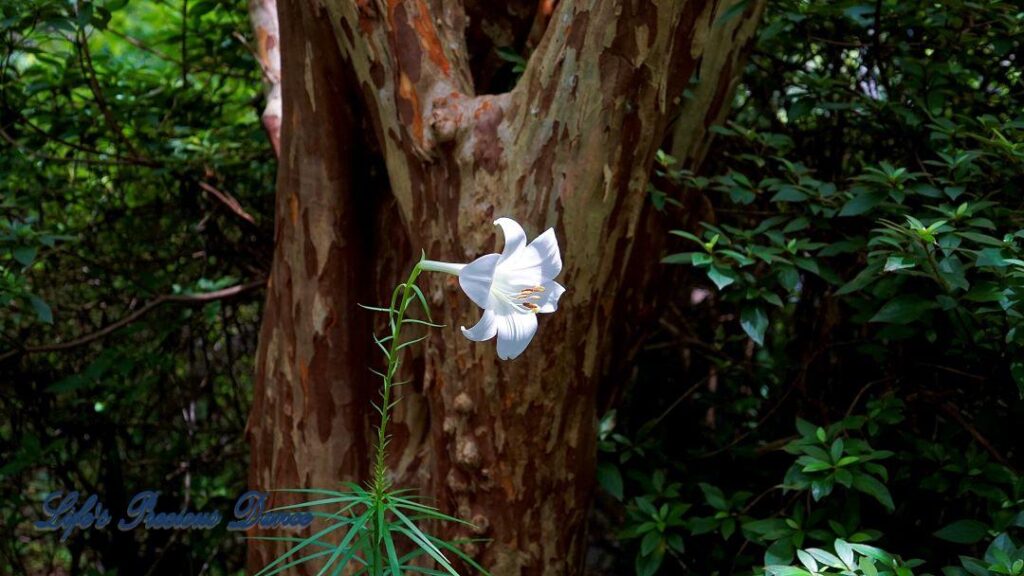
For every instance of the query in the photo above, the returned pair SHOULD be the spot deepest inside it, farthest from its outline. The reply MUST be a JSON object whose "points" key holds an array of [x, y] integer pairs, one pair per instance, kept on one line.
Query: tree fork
{"points": [[509, 446]]}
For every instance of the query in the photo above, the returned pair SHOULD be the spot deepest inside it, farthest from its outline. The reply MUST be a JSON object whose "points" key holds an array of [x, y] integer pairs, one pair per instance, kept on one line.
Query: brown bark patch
{"points": [[488, 150], [409, 106], [427, 35]]}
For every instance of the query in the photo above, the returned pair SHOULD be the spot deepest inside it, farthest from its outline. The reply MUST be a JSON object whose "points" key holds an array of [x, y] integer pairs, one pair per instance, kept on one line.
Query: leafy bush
{"points": [[112, 117], [857, 263]]}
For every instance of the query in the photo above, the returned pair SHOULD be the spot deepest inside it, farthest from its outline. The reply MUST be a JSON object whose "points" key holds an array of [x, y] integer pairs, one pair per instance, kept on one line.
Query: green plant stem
{"points": [[395, 318]]}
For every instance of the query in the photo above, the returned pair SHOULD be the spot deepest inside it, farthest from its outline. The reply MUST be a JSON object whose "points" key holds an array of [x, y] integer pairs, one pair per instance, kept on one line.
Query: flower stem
{"points": [[403, 295], [446, 267]]}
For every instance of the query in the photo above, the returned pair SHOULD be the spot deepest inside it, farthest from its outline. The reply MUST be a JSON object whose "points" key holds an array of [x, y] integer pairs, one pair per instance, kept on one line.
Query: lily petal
{"points": [[485, 329], [515, 237], [549, 298], [538, 262], [476, 279], [515, 330]]}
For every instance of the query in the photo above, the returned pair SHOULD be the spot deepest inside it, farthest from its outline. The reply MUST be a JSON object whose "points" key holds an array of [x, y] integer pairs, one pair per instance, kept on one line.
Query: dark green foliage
{"points": [[863, 276], [112, 113]]}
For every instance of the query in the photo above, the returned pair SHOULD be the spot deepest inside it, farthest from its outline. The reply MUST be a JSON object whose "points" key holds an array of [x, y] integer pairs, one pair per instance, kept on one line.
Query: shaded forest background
{"points": [[840, 357]]}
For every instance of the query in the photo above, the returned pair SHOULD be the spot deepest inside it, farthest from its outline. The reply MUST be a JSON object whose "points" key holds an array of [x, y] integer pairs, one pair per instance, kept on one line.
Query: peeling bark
{"points": [[263, 15], [509, 446], [308, 422], [719, 74]]}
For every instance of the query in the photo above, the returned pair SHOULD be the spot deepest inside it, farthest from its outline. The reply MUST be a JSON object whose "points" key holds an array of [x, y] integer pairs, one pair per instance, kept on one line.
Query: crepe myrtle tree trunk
{"points": [[388, 148]]}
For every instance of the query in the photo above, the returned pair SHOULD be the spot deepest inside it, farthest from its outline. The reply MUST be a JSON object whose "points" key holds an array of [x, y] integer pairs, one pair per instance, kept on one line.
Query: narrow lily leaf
{"points": [[459, 553], [311, 503], [422, 299], [295, 549], [429, 549], [419, 570], [387, 353], [421, 322], [389, 545], [342, 515], [343, 546], [432, 513], [351, 554], [411, 342], [419, 536]]}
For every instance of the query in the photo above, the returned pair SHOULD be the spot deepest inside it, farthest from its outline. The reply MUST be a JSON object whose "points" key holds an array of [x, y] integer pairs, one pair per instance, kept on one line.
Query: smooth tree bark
{"points": [[388, 150], [267, 51]]}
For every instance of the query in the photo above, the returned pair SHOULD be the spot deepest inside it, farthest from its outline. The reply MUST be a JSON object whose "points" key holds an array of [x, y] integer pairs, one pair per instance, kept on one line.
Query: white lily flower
{"points": [[511, 287]]}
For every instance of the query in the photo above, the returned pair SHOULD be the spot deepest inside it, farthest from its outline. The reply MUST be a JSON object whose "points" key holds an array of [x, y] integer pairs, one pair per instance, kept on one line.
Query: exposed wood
{"points": [[263, 15]]}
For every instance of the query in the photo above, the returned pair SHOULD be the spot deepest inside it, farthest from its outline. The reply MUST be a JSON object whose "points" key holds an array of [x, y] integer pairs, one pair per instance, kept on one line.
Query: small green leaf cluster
{"points": [[1002, 557], [656, 519], [21, 246], [829, 456], [850, 559]]}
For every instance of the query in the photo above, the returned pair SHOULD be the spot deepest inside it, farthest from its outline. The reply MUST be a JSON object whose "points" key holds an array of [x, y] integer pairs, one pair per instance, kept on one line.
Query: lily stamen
{"points": [[529, 293]]}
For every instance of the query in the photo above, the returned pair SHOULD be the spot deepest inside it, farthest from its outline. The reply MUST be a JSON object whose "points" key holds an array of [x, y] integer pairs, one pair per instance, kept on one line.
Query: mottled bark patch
{"points": [[427, 35], [488, 150], [407, 46]]}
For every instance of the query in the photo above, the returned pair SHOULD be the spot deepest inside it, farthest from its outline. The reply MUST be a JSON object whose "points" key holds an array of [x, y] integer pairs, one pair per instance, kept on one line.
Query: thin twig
{"points": [[953, 412], [744, 436], [952, 370], [268, 76], [224, 197], [229, 201], [143, 46], [115, 160], [856, 399], [689, 392], [85, 57]]}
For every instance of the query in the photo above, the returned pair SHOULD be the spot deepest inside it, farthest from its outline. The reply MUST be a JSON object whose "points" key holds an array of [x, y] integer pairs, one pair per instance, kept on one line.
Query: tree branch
{"points": [[225, 198], [189, 299], [399, 51], [85, 58], [229, 201], [953, 412]]}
